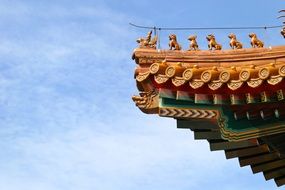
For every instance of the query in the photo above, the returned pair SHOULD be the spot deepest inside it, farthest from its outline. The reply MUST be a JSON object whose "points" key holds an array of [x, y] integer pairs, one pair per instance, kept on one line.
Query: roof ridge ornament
{"points": [[147, 42]]}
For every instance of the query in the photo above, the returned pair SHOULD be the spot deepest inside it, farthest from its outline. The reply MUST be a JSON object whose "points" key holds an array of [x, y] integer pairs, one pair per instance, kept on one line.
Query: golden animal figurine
{"points": [[234, 43], [193, 43], [212, 43], [255, 42], [173, 42], [147, 42]]}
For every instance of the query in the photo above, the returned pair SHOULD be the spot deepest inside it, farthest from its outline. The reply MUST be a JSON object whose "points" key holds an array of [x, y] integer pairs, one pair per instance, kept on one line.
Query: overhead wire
{"points": [[158, 30], [206, 28]]}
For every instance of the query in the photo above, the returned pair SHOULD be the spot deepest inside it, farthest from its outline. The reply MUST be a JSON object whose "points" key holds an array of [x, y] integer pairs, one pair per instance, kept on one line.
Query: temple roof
{"points": [[235, 99], [232, 69]]}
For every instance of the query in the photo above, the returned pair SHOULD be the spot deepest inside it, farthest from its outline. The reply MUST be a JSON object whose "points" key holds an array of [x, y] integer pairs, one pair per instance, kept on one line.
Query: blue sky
{"points": [[66, 115]]}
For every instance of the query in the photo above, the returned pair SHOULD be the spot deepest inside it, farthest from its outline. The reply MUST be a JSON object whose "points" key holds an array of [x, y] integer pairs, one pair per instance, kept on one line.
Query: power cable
{"points": [[206, 28]]}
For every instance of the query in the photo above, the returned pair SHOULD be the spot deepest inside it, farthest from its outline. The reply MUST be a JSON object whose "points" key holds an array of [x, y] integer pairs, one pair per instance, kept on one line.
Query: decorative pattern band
{"points": [[188, 113]]}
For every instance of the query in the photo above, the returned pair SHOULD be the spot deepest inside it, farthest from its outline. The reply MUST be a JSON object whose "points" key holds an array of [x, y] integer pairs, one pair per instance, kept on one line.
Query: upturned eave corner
{"points": [[239, 84], [233, 98]]}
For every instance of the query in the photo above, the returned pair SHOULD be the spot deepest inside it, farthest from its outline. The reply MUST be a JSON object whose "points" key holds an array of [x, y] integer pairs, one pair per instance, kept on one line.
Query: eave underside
{"points": [[265, 154]]}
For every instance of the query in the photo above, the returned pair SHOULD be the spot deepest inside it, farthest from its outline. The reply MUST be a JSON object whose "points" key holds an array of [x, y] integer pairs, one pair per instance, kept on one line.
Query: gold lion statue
{"points": [[193, 43], [173, 42], [255, 42], [234, 43], [212, 43]]}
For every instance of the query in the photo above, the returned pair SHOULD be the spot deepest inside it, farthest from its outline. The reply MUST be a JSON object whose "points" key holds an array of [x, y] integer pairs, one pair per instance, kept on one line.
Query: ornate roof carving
{"points": [[215, 77]]}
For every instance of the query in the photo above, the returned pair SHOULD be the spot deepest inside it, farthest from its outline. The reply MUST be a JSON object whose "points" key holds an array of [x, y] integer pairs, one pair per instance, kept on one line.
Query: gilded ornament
{"points": [[196, 83], [234, 85], [142, 76], [206, 76], [244, 75], [187, 74], [178, 81], [273, 80], [193, 43], [215, 85], [282, 70], [264, 73], [254, 83], [147, 42], [173, 42], [170, 71], [255, 42], [154, 68], [160, 79], [225, 76], [147, 101], [234, 43], [212, 44]]}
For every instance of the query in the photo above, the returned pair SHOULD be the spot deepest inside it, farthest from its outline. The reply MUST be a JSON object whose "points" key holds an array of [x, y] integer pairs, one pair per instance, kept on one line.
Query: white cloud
{"points": [[66, 116], [149, 157]]}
